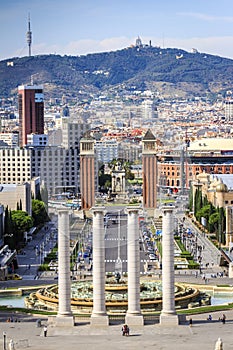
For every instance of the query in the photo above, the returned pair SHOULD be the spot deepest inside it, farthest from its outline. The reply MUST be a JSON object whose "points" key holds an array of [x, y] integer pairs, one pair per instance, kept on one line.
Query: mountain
{"points": [[171, 72]]}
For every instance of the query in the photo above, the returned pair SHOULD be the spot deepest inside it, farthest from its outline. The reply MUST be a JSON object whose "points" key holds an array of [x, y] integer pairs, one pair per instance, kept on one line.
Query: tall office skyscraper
{"points": [[31, 111]]}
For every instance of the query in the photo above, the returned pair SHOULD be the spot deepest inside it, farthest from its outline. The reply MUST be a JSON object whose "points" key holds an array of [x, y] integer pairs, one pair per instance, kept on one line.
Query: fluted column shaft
{"points": [[99, 307], [133, 263], [64, 291], [168, 262]]}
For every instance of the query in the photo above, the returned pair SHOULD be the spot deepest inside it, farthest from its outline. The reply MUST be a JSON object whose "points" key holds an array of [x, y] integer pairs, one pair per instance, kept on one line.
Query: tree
{"points": [[22, 222], [221, 226], [39, 212], [203, 212], [44, 196], [9, 238], [213, 222]]}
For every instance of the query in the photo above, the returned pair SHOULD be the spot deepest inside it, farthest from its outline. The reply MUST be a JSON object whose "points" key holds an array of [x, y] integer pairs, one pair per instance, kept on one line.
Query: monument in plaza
{"points": [[99, 315], [133, 315], [64, 316], [168, 315]]}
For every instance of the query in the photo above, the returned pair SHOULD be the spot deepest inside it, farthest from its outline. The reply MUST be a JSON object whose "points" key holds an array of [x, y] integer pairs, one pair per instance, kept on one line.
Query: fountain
{"points": [[116, 296]]}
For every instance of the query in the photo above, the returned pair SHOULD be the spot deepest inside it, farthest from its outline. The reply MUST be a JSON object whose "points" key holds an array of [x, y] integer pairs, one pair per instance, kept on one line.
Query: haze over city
{"points": [[81, 27]]}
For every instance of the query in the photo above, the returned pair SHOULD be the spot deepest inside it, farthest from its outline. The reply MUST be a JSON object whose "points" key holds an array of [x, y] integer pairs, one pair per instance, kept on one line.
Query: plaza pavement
{"points": [[202, 335]]}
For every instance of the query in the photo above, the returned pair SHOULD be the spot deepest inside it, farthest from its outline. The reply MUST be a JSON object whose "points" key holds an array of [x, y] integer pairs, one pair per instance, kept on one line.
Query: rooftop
{"points": [[210, 144]]}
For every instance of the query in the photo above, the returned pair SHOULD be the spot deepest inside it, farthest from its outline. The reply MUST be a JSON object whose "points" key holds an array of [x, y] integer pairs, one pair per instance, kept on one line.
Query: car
{"points": [[53, 265], [152, 256], [14, 276], [86, 254], [150, 250], [146, 238]]}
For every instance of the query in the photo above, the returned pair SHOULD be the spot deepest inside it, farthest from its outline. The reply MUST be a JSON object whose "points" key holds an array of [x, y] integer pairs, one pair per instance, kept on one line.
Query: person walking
{"points": [[45, 331], [11, 345]]}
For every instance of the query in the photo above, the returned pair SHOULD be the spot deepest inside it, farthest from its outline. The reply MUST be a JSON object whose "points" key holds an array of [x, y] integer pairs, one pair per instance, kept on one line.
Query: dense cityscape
{"points": [[116, 206]]}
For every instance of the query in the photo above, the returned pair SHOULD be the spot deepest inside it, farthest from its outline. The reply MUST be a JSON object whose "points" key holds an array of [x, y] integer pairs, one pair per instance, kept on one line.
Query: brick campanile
{"points": [[149, 170], [87, 173]]}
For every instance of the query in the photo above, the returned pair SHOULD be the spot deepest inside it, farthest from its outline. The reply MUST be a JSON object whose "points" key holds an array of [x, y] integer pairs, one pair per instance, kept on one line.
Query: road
{"points": [[116, 243], [46, 239]]}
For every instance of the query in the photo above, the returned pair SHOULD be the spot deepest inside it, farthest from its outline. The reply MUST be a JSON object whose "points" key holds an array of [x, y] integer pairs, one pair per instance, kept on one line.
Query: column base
{"points": [[64, 321], [134, 320], [99, 320], [169, 320], [230, 270]]}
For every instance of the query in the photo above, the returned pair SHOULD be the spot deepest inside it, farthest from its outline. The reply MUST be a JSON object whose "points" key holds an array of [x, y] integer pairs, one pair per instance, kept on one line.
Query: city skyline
{"points": [[76, 28]]}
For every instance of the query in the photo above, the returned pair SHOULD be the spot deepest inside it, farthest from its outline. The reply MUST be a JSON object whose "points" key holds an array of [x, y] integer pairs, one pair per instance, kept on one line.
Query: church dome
{"points": [[221, 188]]}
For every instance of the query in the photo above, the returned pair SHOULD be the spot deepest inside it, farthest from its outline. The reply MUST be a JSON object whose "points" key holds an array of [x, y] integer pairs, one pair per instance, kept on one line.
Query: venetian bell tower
{"points": [[149, 170], [87, 173]]}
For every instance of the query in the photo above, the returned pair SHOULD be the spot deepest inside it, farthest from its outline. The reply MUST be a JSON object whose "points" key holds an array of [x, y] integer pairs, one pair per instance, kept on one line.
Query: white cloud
{"points": [[206, 17], [220, 46]]}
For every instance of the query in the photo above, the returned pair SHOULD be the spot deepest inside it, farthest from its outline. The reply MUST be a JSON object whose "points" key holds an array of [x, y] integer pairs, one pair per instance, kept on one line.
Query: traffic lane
{"points": [[116, 244]]}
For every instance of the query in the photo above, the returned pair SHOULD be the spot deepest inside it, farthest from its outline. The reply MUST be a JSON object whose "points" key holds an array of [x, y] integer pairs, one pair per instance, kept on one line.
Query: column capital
{"points": [[96, 210], [131, 210], [63, 211], [168, 208]]}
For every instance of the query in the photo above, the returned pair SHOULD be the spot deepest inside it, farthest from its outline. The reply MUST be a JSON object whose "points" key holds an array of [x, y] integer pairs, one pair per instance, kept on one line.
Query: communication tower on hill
{"points": [[29, 36]]}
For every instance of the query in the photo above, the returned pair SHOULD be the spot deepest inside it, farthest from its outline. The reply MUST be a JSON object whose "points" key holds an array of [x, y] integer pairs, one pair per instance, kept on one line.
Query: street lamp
{"points": [[4, 340]]}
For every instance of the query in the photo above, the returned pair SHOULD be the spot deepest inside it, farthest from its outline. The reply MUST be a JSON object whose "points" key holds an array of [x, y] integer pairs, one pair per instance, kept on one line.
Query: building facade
{"points": [[209, 155], [72, 132], [218, 189], [12, 196], [106, 150], [57, 167], [10, 139], [31, 111], [37, 140]]}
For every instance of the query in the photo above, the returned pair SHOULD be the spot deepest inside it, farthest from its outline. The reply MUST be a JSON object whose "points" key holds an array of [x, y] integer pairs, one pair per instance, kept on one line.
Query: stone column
{"points": [[64, 316], [98, 316], [168, 315], [133, 315]]}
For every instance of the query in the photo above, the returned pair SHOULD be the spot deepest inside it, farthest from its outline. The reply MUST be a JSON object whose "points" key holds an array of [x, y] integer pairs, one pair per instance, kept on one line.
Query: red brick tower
{"points": [[149, 170], [87, 173]]}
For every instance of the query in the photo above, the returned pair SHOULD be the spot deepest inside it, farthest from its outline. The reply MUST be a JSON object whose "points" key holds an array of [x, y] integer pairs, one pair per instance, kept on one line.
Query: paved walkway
{"points": [[202, 335]]}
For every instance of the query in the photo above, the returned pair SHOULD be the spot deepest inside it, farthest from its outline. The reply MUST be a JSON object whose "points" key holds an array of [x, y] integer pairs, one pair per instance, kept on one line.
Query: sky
{"points": [[79, 27]]}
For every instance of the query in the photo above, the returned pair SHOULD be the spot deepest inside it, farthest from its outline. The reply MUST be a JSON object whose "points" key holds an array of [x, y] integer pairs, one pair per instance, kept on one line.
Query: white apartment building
{"points": [[37, 140], [72, 131], [147, 109], [11, 195], [15, 165], [57, 167], [11, 139], [106, 150], [229, 109], [129, 151]]}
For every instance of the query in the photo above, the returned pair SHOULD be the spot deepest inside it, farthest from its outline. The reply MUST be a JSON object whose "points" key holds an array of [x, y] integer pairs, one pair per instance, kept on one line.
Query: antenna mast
{"points": [[29, 36]]}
